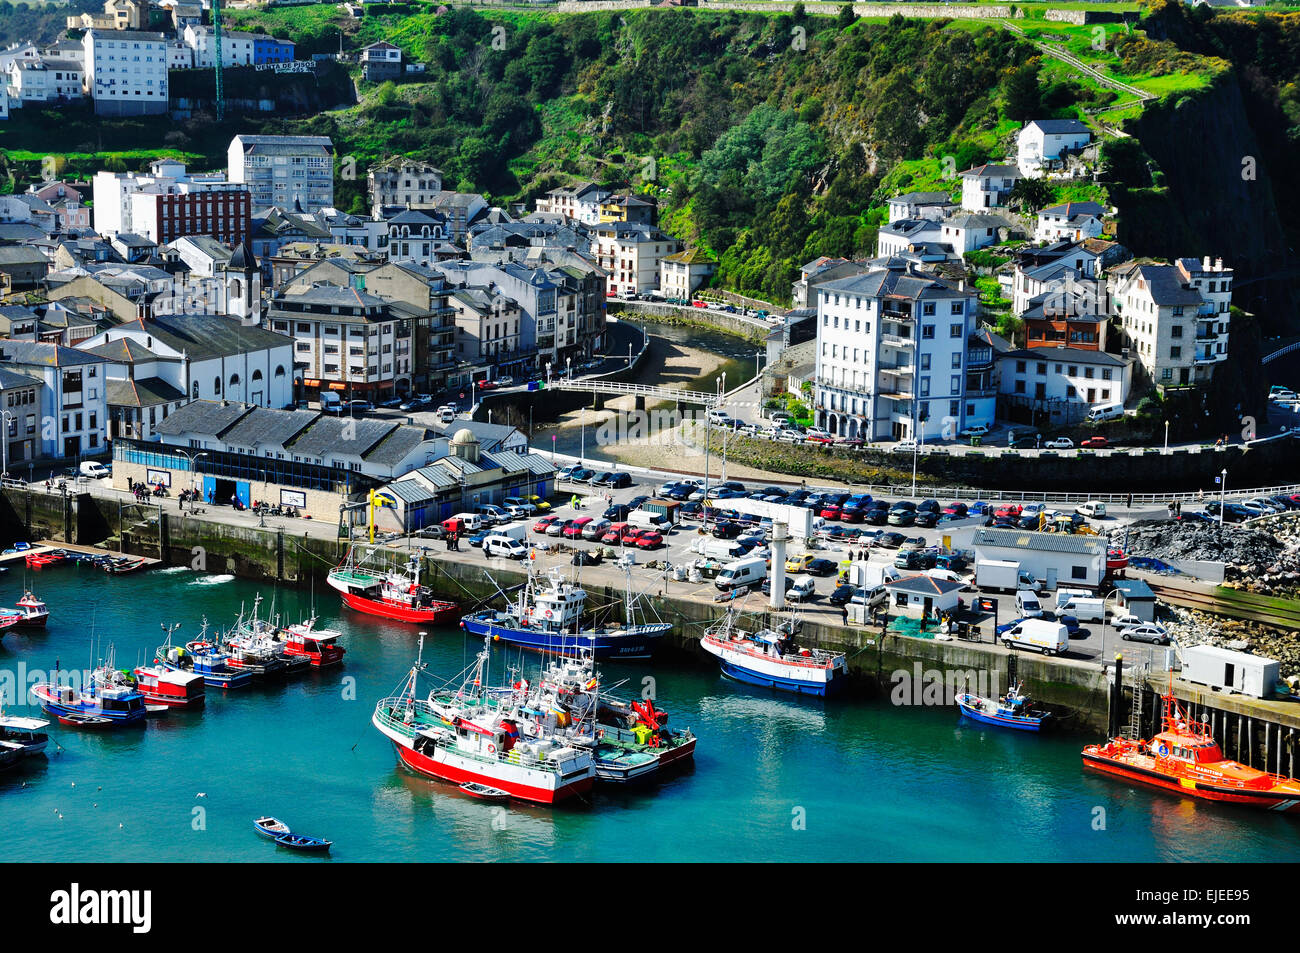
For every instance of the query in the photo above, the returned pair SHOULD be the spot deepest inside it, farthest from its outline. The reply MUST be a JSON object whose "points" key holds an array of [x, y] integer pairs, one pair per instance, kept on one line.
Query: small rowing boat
{"points": [[85, 721], [483, 792], [304, 842], [271, 827]]}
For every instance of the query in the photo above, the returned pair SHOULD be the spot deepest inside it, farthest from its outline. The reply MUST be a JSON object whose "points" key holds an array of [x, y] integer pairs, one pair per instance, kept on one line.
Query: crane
{"points": [[216, 34]]}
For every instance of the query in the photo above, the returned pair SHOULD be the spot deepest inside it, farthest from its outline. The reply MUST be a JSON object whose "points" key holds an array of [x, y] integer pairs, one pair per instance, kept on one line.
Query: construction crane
{"points": [[216, 35]]}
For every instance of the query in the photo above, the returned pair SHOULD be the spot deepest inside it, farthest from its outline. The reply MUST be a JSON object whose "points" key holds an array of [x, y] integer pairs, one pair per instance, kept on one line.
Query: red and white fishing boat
{"points": [[164, 686], [32, 611], [462, 738], [304, 640], [393, 595], [1116, 559]]}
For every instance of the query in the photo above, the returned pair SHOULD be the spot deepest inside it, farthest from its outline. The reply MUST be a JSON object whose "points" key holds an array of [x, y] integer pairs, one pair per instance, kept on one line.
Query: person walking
{"points": [[844, 613], [1130, 501]]}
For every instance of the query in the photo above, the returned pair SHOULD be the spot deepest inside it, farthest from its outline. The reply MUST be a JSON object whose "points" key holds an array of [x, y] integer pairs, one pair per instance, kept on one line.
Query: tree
{"points": [[1023, 97], [846, 18], [1031, 194]]}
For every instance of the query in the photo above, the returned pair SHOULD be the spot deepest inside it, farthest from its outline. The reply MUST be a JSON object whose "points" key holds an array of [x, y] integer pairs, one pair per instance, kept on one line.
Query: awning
{"points": [[310, 383], [337, 386]]}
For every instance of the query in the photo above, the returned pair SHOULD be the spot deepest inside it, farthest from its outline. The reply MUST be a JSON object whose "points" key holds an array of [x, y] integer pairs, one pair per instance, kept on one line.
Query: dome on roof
{"points": [[464, 435], [243, 259]]}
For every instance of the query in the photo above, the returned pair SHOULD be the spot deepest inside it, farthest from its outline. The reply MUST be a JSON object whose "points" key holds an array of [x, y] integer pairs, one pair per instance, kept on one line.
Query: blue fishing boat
{"points": [[205, 658], [271, 827], [109, 699], [1008, 711], [771, 657], [304, 842], [547, 617]]}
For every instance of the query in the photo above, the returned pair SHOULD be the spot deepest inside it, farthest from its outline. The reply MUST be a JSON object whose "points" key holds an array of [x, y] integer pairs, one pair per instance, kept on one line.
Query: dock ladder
{"points": [[1138, 676]]}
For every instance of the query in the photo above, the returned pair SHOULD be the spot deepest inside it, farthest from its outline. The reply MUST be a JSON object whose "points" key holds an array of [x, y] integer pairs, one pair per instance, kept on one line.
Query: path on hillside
{"points": [[1065, 56]]}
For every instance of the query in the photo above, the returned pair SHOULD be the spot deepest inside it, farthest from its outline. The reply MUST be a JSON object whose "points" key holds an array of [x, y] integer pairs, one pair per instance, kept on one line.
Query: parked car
{"points": [[979, 430], [822, 567], [1146, 632], [1059, 443], [841, 594], [1094, 443], [649, 539], [544, 524]]}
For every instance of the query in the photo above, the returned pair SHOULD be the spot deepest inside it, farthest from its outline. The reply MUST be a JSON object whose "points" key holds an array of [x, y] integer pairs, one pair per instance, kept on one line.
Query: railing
{"points": [[637, 390]]}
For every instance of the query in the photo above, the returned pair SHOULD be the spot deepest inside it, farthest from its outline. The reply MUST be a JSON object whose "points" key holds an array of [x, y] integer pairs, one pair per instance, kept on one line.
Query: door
{"points": [[1230, 675], [1050, 582], [71, 447], [210, 489], [241, 491]]}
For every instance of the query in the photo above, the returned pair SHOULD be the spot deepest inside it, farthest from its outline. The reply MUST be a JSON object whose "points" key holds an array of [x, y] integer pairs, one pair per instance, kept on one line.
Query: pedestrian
{"points": [[1200, 496], [129, 483], [1130, 501], [844, 612], [1178, 509]]}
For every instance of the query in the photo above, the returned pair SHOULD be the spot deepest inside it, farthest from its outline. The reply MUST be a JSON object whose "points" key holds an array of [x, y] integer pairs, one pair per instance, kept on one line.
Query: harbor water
{"points": [[774, 778]]}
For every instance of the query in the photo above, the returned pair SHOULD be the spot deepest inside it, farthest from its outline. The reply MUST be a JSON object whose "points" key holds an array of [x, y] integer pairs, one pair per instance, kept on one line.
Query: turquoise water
{"points": [[775, 778]]}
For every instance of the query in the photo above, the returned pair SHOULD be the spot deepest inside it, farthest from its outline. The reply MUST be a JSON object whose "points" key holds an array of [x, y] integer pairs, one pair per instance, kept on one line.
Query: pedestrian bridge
{"points": [[642, 392]]}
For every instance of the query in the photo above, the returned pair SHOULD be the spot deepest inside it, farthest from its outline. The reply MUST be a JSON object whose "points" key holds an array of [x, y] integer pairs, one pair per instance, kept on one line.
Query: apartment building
{"points": [[290, 172], [126, 72], [403, 183], [630, 254], [169, 203], [897, 357]]}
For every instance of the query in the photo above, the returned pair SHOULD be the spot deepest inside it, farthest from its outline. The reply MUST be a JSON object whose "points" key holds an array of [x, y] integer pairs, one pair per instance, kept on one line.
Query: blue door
{"points": [[209, 488], [241, 491]]}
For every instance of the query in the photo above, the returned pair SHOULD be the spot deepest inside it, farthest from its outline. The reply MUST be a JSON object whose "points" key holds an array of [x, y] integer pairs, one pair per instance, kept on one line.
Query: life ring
{"points": [[492, 749], [600, 733], [1162, 750], [547, 613]]}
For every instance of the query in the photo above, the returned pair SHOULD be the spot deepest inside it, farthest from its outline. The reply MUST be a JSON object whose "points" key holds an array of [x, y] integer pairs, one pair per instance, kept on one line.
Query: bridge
{"points": [[642, 392]]}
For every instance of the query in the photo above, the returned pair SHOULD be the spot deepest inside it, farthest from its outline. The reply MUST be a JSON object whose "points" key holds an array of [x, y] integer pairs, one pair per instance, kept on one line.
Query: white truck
{"points": [[1004, 574], [1047, 637]]}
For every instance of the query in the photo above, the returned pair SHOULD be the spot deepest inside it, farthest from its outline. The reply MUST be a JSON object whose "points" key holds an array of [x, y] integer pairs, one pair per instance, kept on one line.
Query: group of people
{"points": [[453, 541], [142, 491]]}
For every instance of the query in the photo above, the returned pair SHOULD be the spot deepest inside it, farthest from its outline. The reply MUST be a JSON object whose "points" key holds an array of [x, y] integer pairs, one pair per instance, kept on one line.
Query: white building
{"points": [[900, 234], [415, 236], [972, 230], [987, 186], [1042, 143], [579, 202], [1058, 559], [170, 202], [680, 274], [630, 253], [291, 172], [1054, 377], [237, 49], [1175, 317], [1070, 221], [895, 354], [126, 72], [46, 81], [73, 403], [910, 205]]}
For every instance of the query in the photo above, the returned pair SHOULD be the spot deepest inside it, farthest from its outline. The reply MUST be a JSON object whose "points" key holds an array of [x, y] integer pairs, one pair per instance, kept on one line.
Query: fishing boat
{"points": [[10, 755], [202, 657], [28, 733], [304, 842], [393, 595], [44, 559], [770, 657], [547, 617], [1183, 758], [31, 612], [460, 737], [1007, 711], [9, 619], [318, 646], [109, 697], [171, 689], [258, 645], [1116, 559], [271, 827]]}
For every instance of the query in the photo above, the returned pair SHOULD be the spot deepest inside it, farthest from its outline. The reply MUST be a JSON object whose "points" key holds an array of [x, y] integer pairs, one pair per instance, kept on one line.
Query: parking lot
{"points": [[833, 543]]}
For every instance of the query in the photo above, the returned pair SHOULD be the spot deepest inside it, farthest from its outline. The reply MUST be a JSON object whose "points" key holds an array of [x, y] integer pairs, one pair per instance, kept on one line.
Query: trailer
{"points": [[1230, 671], [1005, 575]]}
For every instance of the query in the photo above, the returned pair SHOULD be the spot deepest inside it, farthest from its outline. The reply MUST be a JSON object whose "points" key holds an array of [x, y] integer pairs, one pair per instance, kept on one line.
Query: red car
{"points": [[630, 535], [829, 513], [485, 385], [853, 515], [815, 438], [1094, 443], [955, 509], [545, 523], [615, 533], [576, 526], [1007, 509], [649, 540]]}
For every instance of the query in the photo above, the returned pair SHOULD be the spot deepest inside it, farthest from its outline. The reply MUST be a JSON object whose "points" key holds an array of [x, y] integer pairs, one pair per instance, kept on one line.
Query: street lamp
{"points": [[1223, 496], [4, 444], [1103, 623], [1166, 436]]}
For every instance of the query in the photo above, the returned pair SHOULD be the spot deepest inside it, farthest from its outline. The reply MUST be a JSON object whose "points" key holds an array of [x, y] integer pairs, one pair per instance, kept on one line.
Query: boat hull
{"points": [[1244, 797], [446, 766], [52, 705], [781, 683], [1014, 722], [442, 613], [633, 644]]}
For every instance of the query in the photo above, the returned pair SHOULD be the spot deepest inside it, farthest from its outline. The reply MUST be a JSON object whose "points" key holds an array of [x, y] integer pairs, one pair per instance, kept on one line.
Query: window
{"points": [[954, 331], [956, 359], [1175, 353], [927, 308], [956, 307], [1078, 572], [927, 332], [925, 362]]}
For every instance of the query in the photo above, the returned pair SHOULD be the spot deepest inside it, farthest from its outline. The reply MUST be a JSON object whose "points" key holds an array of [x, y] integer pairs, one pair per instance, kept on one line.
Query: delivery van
{"points": [[1083, 608], [504, 546], [1047, 637], [1027, 604], [718, 548], [331, 402], [1105, 412], [94, 469], [463, 522], [647, 520], [743, 572]]}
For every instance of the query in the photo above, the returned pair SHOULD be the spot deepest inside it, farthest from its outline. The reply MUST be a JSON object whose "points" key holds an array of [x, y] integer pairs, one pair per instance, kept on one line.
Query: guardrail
{"points": [[622, 389]]}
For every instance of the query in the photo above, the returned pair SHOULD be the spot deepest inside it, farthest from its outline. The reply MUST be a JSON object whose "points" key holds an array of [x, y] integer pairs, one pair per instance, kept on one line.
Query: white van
{"points": [[802, 589], [647, 520], [743, 572], [1064, 595], [1083, 608], [718, 548], [1091, 510], [504, 546], [871, 598], [473, 522], [492, 514], [1048, 637], [94, 469], [1027, 604], [1105, 412]]}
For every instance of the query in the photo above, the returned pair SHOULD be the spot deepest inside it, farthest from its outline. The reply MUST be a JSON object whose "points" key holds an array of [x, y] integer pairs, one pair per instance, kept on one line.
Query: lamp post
{"points": [[4, 444], [1166, 436], [1103, 622], [1223, 496]]}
